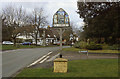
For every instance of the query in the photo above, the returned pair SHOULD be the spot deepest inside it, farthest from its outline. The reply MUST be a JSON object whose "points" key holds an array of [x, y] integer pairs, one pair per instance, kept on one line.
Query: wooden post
{"points": [[60, 39], [44, 40]]}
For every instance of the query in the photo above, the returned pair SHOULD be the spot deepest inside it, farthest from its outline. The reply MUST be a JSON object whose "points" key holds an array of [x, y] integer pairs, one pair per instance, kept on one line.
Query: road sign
{"points": [[61, 23], [61, 19]]}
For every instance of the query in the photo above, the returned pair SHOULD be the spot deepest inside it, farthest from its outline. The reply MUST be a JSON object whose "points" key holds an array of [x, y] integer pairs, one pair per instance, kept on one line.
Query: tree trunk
{"points": [[14, 40], [36, 40]]}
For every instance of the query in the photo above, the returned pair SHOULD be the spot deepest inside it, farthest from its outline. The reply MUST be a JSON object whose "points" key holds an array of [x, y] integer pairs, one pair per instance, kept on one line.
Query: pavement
{"points": [[14, 60]]}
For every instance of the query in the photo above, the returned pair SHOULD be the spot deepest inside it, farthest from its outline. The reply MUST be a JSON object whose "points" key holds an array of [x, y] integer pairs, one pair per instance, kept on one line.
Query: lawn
{"points": [[11, 47], [78, 68], [91, 51]]}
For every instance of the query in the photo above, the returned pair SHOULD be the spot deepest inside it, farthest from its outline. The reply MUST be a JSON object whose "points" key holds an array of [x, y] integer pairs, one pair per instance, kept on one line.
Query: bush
{"points": [[77, 45], [112, 47], [105, 46], [94, 47], [80, 44], [84, 45]]}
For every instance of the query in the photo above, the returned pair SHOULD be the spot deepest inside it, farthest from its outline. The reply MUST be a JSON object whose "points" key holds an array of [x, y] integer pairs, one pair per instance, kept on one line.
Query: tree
{"points": [[36, 20], [13, 20], [101, 19]]}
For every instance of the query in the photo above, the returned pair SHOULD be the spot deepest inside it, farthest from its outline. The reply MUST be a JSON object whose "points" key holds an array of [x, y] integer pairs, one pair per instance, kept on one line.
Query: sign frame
{"points": [[61, 19]]}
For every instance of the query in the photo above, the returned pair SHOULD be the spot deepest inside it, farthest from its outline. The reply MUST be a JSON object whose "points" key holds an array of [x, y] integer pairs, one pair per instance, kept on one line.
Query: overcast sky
{"points": [[50, 7]]}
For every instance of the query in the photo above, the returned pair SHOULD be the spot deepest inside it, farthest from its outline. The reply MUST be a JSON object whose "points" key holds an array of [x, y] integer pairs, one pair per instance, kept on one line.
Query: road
{"points": [[12, 61]]}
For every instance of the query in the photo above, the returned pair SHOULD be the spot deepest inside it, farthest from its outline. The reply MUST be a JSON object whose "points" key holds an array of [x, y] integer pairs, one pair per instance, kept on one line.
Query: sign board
{"points": [[61, 19]]}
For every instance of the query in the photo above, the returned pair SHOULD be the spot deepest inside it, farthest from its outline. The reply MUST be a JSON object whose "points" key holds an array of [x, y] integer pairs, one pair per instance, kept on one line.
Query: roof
{"points": [[49, 33]]}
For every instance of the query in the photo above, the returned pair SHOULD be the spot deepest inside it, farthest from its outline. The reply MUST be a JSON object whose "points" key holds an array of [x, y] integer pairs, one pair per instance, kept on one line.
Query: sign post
{"points": [[61, 39], [61, 23]]}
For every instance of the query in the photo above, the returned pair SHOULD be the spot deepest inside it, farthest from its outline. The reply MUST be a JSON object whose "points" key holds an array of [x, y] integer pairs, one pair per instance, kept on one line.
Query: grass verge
{"points": [[11, 47], [78, 68], [91, 51]]}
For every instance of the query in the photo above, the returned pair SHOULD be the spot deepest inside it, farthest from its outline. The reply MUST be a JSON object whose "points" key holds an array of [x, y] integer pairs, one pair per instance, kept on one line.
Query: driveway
{"points": [[12, 61]]}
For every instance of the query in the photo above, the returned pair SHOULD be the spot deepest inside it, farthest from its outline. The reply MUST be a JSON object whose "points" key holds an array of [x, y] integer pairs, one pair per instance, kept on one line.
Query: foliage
{"points": [[111, 47], [115, 47], [91, 46], [94, 47], [80, 44], [101, 20]]}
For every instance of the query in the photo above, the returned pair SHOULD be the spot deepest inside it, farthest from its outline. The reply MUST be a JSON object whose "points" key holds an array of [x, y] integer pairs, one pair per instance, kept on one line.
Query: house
{"points": [[48, 35]]}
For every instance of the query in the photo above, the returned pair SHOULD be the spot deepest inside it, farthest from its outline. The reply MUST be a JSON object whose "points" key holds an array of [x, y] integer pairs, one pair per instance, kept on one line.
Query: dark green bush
{"points": [[76, 45], [84, 45], [81, 45], [94, 47], [112, 47]]}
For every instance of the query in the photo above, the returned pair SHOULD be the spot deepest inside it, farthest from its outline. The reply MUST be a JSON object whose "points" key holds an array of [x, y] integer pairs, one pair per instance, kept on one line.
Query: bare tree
{"points": [[38, 20], [14, 18]]}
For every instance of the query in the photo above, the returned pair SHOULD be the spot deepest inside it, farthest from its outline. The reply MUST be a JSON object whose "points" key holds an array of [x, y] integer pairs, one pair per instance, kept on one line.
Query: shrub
{"points": [[94, 47], [84, 45], [77, 45], [112, 47], [105, 46], [80, 44]]}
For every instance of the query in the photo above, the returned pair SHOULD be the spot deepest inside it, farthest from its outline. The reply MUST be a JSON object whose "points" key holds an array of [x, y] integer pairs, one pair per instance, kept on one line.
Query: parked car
{"points": [[7, 42], [26, 43]]}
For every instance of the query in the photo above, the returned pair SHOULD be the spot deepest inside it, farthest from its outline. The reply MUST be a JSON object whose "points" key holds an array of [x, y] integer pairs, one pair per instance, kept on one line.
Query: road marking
{"points": [[51, 59], [44, 59], [49, 53]]}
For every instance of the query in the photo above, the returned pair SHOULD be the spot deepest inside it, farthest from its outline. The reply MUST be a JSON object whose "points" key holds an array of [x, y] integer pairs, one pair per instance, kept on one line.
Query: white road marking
{"points": [[44, 59], [49, 53], [51, 59]]}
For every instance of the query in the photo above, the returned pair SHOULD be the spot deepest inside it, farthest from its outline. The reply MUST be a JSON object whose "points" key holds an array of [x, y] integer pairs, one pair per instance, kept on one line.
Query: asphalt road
{"points": [[12, 61]]}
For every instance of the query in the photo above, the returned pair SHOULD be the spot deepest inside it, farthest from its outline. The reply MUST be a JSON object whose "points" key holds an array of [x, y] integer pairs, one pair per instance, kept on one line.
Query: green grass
{"points": [[78, 68], [11, 47], [91, 51]]}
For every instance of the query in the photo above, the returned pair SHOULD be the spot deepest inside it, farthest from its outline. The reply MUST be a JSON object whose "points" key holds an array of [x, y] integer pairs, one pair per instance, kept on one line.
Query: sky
{"points": [[50, 7]]}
